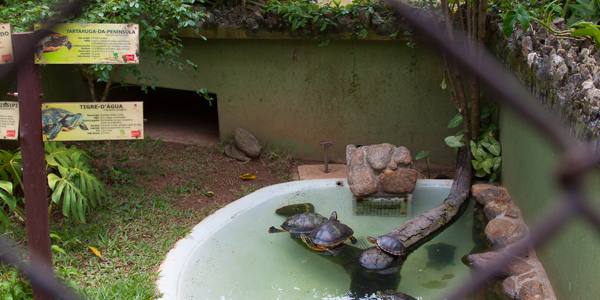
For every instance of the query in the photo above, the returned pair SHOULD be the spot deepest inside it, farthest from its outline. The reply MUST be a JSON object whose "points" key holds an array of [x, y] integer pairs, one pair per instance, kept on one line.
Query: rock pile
{"points": [[380, 169], [244, 146], [524, 277], [564, 73]]}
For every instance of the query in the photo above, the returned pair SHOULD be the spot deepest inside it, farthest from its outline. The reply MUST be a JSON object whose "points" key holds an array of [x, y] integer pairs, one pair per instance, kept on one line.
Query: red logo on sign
{"points": [[11, 133], [7, 58], [130, 57], [136, 133]]}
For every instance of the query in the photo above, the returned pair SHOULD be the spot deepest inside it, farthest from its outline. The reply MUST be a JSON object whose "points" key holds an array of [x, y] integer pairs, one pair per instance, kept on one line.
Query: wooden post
{"points": [[32, 150]]}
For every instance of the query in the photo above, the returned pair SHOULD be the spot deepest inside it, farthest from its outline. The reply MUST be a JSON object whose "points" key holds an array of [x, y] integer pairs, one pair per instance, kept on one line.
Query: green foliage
{"points": [[323, 16], [70, 178], [485, 148], [14, 286], [301, 13], [582, 16], [159, 21]]}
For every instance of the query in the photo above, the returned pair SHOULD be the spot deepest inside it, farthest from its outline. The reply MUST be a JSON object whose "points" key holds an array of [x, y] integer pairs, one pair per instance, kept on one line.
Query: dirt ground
{"points": [[202, 177], [195, 169]]}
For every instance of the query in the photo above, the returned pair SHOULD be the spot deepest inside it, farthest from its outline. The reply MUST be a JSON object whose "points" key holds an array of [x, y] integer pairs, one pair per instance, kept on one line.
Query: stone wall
{"points": [[564, 76]]}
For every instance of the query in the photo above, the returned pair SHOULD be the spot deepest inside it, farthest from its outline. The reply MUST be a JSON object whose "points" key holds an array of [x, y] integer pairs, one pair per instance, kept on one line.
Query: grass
{"points": [[139, 222]]}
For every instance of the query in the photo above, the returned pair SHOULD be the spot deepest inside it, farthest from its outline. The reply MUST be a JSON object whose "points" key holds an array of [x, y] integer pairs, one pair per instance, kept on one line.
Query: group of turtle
{"points": [[322, 234], [317, 232]]}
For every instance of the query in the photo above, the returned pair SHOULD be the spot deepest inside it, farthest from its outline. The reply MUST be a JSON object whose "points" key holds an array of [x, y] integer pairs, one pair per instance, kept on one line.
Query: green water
{"points": [[240, 260]]}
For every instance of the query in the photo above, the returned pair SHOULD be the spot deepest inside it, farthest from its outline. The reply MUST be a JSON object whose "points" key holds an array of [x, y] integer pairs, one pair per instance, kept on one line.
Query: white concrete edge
{"points": [[178, 256], [176, 259]]}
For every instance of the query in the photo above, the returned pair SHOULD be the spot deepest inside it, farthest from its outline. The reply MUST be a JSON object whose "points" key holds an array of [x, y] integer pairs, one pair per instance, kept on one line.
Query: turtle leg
{"points": [[56, 128], [310, 243], [353, 240]]}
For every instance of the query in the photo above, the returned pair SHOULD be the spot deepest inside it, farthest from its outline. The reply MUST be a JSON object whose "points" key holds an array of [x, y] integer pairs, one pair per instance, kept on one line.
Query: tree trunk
{"points": [[423, 227]]}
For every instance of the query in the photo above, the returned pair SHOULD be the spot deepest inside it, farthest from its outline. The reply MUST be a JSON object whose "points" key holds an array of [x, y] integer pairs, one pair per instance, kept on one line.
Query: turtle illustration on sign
{"points": [[51, 42], [54, 120]]}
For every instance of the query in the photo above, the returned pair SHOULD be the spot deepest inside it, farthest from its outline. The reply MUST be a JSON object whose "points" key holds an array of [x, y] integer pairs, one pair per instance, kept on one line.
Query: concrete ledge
{"points": [[306, 172]]}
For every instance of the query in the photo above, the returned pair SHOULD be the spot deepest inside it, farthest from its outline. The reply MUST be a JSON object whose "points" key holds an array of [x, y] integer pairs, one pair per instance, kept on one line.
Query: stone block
{"points": [[362, 180], [399, 181], [502, 232], [496, 194], [379, 155], [246, 143]]}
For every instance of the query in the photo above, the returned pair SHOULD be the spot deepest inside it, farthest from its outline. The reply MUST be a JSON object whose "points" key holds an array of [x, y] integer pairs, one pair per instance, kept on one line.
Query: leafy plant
{"points": [[582, 17], [301, 13], [485, 148], [70, 178]]}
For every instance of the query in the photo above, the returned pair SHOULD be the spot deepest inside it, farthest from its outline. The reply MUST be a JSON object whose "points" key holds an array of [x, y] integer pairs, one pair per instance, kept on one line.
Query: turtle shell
{"points": [[303, 223], [331, 233], [388, 244], [52, 115]]}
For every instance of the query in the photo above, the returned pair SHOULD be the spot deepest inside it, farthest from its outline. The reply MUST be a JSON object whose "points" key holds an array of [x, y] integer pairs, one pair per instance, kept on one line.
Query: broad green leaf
{"points": [[492, 145], [454, 141], [486, 165], [455, 121], [421, 154], [58, 249], [508, 23]]}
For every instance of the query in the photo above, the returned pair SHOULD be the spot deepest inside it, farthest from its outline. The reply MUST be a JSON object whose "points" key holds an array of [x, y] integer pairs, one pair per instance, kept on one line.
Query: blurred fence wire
{"points": [[576, 160]]}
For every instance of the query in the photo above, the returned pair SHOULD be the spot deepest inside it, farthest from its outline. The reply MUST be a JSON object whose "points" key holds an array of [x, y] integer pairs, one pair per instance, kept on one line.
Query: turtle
{"points": [[56, 119], [328, 235], [374, 259], [388, 244], [51, 42], [299, 224]]}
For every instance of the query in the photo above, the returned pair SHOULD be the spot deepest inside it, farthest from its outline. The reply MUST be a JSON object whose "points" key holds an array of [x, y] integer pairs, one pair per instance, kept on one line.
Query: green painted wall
{"points": [[529, 162], [296, 101]]}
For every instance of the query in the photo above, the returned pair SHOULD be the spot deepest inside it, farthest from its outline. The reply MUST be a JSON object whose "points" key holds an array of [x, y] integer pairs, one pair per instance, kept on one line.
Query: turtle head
{"points": [[372, 239], [333, 216]]}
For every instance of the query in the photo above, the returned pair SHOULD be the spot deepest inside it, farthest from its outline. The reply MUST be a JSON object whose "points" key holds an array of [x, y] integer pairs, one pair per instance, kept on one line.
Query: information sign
{"points": [[6, 48], [84, 121], [72, 43], [9, 120]]}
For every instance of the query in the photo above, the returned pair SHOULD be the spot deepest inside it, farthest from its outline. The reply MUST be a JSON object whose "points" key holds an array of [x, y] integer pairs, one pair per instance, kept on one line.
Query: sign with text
{"points": [[9, 120], [6, 48], [72, 43], [85, 121]]}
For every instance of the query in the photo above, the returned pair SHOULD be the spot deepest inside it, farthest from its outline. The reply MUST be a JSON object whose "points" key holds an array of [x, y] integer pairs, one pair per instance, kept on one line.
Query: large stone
{"points": [[494, 209], [399, 181], [350, 149], [502, 232], [482, 261], [246, 143], [509, 287], [478, 188], [362, 180], [232, 151], [358, 158], [531, 290], [496, 194], [379, 155], [400, 159]]}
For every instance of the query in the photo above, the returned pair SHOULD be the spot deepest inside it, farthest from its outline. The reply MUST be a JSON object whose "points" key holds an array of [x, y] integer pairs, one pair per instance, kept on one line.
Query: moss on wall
{"points": [[294, 90], [529, 164]]}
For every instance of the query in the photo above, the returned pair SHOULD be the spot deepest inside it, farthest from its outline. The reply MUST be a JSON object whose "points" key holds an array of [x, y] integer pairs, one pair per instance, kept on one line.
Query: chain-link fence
{"points": [[576, 160]]}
